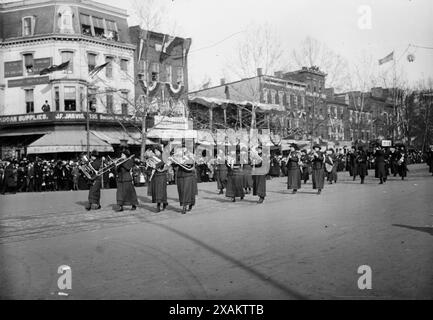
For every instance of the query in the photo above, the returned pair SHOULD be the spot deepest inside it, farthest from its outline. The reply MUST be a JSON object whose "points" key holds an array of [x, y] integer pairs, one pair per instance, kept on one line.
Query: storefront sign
{"points": [[13, 69], [171, 123], [24, 82], [41, 64]]}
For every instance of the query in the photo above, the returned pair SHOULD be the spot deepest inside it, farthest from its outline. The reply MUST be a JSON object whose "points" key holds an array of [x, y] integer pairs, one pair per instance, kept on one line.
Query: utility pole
{"points": [[87, 124]]}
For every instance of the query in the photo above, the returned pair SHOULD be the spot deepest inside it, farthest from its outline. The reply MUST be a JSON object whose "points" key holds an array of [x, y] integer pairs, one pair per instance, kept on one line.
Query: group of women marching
{"points": [[239, 177]]}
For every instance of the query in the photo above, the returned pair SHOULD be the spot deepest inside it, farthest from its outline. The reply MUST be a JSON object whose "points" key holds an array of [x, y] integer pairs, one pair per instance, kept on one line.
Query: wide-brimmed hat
{"points": [[294, 145], [317, 146], [126, 152], [95, 153]]}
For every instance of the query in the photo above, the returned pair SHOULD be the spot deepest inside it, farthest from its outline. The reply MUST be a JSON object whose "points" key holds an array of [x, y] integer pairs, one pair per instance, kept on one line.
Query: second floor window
{"points": [[30, 104], [68, 56], [91, 61], [109, 103], [154, 72], [168, 76], [124, 65], [109, 67], [124, 103], [28, 63], [70, 99]]}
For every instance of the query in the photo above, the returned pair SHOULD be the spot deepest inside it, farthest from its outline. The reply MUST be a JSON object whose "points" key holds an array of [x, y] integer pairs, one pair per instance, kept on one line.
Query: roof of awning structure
{"points": [[67, 141], [261, 107], [114, 136]]}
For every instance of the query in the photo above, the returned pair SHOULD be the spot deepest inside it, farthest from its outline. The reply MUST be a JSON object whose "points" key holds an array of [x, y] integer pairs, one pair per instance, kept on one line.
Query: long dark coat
{"points": [[259, 186], [353, 164], [430, 160], [248, 178], [125, 194], [361, 159], [306, 167], [95, 185], [293, 173], [157, 188], [10, 177], [235, 182], [318, 173], [186, 186], [380, 167], [402, 168]]}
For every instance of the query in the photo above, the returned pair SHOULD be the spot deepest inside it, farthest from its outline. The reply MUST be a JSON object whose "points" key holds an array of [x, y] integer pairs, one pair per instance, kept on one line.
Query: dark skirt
{"points": [[126, 194], [318, 178], [333, 175], [158, 188], [187, 188], [305, 173], [402, 170], [248, 178], [95, 192], [235, 184], [362, 170], [353, 170], [294, 179], [259, 186], [380, 170], [221, 176]]}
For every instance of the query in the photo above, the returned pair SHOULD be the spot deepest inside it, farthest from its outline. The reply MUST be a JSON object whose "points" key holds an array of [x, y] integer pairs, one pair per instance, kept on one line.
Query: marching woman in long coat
{"points": [[186, 180], [306, 166], [352, 163], [294, 169], [247, 171], [221, 172], [361, 160], [95, 184], [430, 159], [235, 176], [402, 163], [157, 188], [10, 178], [380, 166], [318, 173], [259, 181], [125, 194], [331, 164]]}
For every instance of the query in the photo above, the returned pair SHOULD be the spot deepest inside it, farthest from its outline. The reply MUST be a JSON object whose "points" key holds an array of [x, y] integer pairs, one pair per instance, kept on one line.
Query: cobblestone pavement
{"points": [[292, 246]]}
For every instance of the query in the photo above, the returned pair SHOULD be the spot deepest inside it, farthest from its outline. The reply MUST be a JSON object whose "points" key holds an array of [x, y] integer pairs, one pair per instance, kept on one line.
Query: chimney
{"points": [[259, 72], [222, 81]]}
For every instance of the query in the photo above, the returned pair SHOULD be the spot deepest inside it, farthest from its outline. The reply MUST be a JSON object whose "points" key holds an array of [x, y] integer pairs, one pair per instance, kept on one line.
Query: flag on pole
{"points": [[389, 57], [96, 70], [54, 68]]}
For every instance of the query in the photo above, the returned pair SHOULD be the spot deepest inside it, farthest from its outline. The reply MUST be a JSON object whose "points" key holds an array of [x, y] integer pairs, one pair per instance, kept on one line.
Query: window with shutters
{"points": [[70, 99], [30, 103]]}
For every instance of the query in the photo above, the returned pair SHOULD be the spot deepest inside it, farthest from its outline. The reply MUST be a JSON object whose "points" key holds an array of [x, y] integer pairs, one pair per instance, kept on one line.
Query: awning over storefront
{"points": [[67, 141], [167, 134], [114, 136]]}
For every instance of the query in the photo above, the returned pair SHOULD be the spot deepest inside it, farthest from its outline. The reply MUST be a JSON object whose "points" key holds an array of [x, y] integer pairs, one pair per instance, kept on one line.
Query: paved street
{"points": [[300, 246]]}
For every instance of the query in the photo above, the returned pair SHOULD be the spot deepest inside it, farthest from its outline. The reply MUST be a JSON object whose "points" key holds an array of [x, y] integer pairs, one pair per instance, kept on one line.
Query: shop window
{"points": [[30, 103], [70, 99]]}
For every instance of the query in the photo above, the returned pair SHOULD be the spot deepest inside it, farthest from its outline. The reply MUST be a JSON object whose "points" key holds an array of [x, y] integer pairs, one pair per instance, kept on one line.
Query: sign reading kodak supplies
{"points": [[23, 82], [13, 69]]}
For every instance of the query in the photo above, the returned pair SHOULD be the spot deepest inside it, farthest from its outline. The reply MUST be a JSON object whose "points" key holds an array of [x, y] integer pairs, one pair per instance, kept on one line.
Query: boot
{"points": [[158, 207], [381, 181], [98, 207], [294, 191], [164, 205], [319, 191], [88, 207], [221, 191], [260, 200], [119, 208], [190, 207], [184, 210], [234, 199], [134, 207]]}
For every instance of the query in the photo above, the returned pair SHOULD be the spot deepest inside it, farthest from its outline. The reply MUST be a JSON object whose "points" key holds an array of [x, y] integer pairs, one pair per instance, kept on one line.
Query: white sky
{"points": [[395, 24]]}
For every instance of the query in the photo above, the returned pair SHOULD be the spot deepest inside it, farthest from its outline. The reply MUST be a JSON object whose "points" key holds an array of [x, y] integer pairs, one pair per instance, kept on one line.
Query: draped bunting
{"points": [[175, 93]]}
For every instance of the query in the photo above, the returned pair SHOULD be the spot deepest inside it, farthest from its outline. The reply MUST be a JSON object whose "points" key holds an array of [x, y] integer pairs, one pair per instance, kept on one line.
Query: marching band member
{"points": [[259, 181], [221, 172], [380, 169], [95, 184], [402, 163], [352, 163], [157, 188], [247, 171], [235, 176], [186, 179], [430, 159], [294, 168], [125, 194], [318, 169], [331, 166], [306, 165], [393, 158], [361, 160]]}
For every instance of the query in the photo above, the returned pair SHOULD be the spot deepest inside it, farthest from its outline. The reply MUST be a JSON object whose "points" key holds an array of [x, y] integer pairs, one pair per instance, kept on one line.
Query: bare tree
{"points": [[312, 52], [260, 47]]}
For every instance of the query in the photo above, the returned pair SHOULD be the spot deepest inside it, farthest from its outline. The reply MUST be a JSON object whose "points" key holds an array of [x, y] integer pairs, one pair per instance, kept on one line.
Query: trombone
{"points": [[91, 173]]}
